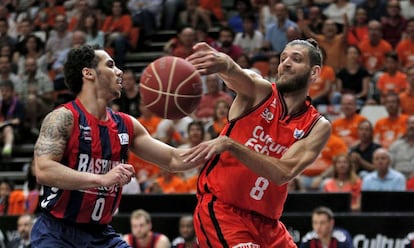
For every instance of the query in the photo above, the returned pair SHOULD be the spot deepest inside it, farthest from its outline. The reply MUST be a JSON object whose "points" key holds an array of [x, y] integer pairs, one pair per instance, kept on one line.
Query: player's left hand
{"points": [[207, 149]]}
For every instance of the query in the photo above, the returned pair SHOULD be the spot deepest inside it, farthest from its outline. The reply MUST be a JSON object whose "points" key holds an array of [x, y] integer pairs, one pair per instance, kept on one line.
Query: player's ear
{"points": [[315, 71], [87, 73]]}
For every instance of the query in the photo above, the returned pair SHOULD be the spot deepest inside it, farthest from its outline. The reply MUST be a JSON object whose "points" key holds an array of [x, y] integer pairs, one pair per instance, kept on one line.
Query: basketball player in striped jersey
{"points": [[80, 152], [272, 135]]}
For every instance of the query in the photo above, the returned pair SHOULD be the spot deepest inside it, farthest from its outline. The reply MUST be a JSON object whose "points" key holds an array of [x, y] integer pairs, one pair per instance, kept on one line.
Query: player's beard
{"points": [[295, 83]]}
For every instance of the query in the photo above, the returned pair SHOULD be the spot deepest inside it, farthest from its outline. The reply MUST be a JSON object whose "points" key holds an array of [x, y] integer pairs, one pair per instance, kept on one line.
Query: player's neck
{"points": [[145, 241], [94, 106], [295, 102]]}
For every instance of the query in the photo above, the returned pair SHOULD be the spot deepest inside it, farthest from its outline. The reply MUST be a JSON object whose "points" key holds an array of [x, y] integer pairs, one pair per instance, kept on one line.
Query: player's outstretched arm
{"points": [[279, 171], [49, 149], [159, 153], [244, 82]]}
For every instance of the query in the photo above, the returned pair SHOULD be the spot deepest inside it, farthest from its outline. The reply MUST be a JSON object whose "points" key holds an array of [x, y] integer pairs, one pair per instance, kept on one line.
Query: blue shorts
{"points": [[54, 233]]}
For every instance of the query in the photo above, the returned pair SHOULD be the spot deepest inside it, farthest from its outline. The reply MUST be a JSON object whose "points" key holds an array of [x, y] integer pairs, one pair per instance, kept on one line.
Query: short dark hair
{"points": [[315, 54], [324, 210], [77, 59], [392, 55], [199, 124]]}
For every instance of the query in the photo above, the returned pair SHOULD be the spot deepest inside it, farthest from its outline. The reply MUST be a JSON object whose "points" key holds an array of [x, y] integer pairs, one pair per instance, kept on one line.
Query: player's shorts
{"points": [[49, 232], [221, 225]]}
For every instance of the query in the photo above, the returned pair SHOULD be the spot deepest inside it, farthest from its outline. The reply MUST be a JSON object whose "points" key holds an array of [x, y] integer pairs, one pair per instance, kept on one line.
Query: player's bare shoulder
{"points": [[55, 132], [322, 129]]}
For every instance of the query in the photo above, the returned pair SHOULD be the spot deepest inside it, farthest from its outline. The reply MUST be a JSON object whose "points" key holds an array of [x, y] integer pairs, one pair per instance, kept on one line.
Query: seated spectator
{"points": [[246, 63], [383, 178], [45, 18], [325, 233], [208, 11], [11, 200], [186, 16], [145, 172], [37, 95], [205, 109], [405, 47], [221, 110], [146, 14], [344, 179], [33, 48], [235, 20], [353, 78], [12, 116], [6, 74], [187, 234], [117, 27], [274, 62], [59, 39], [76, 13], [224, 43], [169, 183], [407, 97], [89, 24], [295, 185], [393, 24], [173, 132], [142, 234], [392, 80], [196, 135], [250, 39], [410, 238], [402, 151], [389, 129], [24, 228], [182, 45], [130, 97], [374, 48], [346, 127], [358, 31], [361, 154]]}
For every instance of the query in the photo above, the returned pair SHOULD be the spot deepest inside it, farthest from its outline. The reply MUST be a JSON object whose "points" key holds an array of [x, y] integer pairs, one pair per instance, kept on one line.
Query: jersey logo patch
{"points": [[123, 138], [298, 134], [85, 132]]}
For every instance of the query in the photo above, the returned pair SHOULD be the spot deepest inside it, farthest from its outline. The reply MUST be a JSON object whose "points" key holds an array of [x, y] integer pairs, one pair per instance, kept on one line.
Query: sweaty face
{"points": [[293, 70]]}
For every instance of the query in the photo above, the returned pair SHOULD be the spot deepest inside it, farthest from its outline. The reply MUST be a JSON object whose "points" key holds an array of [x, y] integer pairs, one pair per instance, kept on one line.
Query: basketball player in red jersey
{"points": [[272, 134], [80, 152]]}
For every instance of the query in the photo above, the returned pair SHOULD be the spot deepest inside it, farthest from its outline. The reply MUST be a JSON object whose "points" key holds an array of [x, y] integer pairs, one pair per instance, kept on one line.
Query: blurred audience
{"points": [[407, 97], [12, 201], [130, 97], [389, 129], [221, 111], [24, 228], [181, 45], [402, 151], [344, 179], [187, 238], [383, 178]]}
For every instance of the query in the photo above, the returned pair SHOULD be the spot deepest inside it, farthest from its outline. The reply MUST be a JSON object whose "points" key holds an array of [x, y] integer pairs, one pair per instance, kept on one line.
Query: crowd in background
{"points": [[366, 87]]}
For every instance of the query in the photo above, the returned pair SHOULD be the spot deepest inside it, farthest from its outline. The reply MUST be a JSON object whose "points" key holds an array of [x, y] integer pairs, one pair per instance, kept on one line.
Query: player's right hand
{"points": [[208, 60]]}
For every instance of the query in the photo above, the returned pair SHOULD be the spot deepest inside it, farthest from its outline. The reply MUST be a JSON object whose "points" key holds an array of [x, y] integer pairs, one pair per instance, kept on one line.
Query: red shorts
{"points": [[220, 225]]}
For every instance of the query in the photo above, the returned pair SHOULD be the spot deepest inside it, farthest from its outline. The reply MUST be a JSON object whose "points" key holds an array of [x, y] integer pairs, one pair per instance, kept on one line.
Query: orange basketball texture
{"points": [[171, 87]]}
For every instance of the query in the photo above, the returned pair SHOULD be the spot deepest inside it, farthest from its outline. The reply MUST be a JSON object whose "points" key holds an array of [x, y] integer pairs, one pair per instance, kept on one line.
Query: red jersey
{"points": [[94, 146], [266, 129]]}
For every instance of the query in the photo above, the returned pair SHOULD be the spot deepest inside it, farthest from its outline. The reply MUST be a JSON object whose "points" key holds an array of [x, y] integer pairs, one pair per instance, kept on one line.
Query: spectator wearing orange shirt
{"points": [[145, 171], [170, 183], [374, 48], [390, 128], [392, 80], [359, 30], [407, 97], [117, 28], [313, 174], [345, 179], [405, 48], [346, 127], [12, 201]]}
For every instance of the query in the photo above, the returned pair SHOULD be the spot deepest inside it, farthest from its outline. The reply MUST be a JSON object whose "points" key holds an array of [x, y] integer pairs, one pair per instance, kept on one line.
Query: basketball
{"points": [[170, 87]]}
